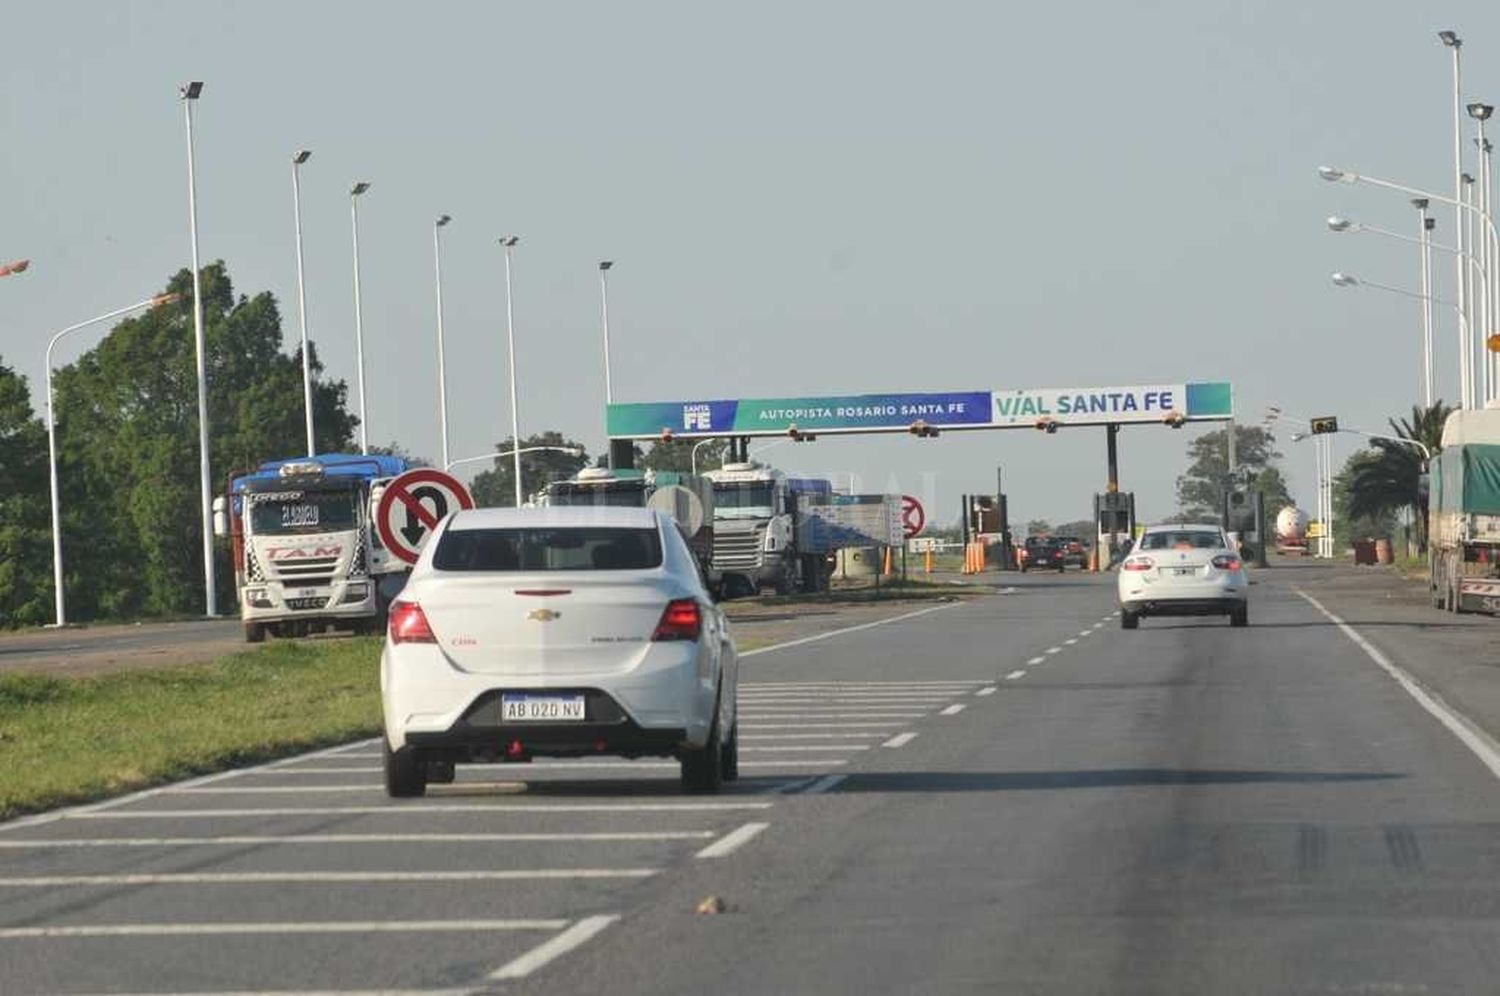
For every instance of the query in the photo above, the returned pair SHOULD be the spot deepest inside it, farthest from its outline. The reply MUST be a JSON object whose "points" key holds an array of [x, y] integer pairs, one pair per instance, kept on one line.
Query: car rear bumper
{"points": [[481, 735], [1199, 606]]}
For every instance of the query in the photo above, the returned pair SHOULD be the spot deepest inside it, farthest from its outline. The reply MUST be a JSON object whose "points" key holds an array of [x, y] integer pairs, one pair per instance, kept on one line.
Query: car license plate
{"points": [[541, 708], [1186, 572]]}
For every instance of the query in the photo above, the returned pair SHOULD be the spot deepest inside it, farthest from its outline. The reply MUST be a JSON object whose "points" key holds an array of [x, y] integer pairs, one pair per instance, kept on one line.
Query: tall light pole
{"points": [[359, 325], [1481, 112], [1424, 234], [298, 159], [437, 258], [1467, 242], [604, 265], [189, 94], [60, 613], [1455, 43], [509, 242]]}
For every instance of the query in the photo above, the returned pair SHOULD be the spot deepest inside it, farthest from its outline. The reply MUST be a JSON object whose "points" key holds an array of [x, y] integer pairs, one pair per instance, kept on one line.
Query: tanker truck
{"points": [[1463, 514], [1291, 532]]}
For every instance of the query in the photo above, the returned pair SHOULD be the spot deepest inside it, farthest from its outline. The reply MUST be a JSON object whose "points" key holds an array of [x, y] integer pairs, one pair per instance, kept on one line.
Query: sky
{"points": [[800, 199]]}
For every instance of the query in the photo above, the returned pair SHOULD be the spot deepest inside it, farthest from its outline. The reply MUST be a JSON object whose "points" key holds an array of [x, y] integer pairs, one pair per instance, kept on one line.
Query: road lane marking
{"points": [[804, 748], [1054, 650], [1098, 625], [1086, 632], [424, 809], [1070, 642], [355, 838], [826, 726], [540, 956], [732, 841], [824, 784], [986, 690], [953, 710], [1014, 675], [744, 738], [1035, 661], [1480, 743], [848, 629], [848, 714], [294, 878], [900, 740], [278, 927], [933, 683]]}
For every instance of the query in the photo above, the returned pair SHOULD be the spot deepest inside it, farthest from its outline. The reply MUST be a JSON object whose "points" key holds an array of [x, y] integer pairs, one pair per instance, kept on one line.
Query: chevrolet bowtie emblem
{"points": [[542, 615]]}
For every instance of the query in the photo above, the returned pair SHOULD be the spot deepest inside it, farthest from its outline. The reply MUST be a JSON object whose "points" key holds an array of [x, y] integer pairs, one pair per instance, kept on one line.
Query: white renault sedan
{"points": [[565, 632], [1183, 570]]}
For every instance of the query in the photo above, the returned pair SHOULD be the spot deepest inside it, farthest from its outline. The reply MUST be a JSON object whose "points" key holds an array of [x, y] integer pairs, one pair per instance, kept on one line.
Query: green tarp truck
{"points": [[1464, 514]]}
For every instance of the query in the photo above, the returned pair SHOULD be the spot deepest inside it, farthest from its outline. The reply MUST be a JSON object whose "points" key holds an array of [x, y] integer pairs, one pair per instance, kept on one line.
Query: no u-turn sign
{"points": [[412, 507]]}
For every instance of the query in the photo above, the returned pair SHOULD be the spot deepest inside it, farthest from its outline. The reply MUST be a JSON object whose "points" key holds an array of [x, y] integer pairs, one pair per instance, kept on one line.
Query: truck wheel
{"points": [[405, 776], [255, 633]]}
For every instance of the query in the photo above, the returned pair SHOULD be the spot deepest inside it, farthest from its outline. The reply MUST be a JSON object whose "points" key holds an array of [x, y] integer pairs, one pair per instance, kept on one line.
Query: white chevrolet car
{"points": [[565, 632], [1183, 570]]}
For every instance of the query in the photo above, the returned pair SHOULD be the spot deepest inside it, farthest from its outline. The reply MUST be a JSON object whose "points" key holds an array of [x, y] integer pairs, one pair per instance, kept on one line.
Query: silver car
{"points": [[1183, 570]]}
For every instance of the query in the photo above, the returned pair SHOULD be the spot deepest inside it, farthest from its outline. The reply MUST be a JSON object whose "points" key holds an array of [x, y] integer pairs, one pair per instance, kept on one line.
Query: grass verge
{"points": [[71, 740]]}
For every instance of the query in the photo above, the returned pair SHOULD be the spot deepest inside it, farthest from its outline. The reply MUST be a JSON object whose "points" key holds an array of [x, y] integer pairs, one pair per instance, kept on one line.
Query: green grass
{"points": [[69, 740]]}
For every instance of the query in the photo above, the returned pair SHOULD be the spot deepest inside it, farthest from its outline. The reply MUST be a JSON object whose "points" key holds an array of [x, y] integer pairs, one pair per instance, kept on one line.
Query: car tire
{"points": [[1023, 567], [1062, 568], [441, 772], [703, 767], [255, 633], [1129, 620], [405, 776], [1240, 617], [729, 758]]}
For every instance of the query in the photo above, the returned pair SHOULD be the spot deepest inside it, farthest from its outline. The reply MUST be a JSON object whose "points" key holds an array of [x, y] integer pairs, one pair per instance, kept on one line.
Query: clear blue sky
{"points": [[801, 199]]}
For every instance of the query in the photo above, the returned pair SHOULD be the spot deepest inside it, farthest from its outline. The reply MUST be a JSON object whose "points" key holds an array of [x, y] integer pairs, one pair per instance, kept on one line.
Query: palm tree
{"points": [[1386, 478]]}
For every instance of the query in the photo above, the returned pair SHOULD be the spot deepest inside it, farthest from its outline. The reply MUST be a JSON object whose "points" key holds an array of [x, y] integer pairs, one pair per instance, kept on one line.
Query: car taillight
{"points": [[682, 620], [1227, 562], [1138, 564], [409, 624]]}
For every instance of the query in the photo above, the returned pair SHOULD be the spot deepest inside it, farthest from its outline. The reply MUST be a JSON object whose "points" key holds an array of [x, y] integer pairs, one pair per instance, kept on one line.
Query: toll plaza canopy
{"points": [[1019, 408]]}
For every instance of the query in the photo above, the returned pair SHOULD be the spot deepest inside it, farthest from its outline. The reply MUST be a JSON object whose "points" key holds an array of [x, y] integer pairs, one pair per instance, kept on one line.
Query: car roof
{"points": [[555, 516]]}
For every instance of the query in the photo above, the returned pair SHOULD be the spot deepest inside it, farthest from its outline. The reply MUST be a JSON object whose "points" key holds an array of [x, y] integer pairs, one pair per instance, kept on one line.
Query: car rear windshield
{"points": [[582, 548], [1194, 539]]}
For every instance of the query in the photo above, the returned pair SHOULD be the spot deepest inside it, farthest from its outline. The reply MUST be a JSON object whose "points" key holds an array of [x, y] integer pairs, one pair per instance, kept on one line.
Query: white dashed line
{"points": [[953, 710], [1084, 632], [539, 956], [824, 784], [732, 841], [419, 809], [986, 690], [1035, 661], [1054, 650], [1014, 675], [900, 740], [240, 840], [322, 877], [1070, 642]]}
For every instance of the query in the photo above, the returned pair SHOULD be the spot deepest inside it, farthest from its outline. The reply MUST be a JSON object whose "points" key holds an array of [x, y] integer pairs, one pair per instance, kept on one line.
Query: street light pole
{"points": [[60, 614], [1481, 112], [307, 398], [1466, 241], [359, 326], [604, 265], [437, 259], [189, 95], [509, 243], [1455, 43], [1425, 233]]}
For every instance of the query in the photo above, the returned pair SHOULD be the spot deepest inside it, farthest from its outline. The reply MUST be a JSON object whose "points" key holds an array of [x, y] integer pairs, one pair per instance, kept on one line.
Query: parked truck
{"points": [[1291, 532], [688, 498], [306, 555], [1463, 537], [756, 540]]}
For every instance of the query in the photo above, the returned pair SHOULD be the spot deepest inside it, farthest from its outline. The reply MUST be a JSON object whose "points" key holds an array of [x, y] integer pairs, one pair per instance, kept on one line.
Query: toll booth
{"points": [[1114, 516], [1244, 515]]}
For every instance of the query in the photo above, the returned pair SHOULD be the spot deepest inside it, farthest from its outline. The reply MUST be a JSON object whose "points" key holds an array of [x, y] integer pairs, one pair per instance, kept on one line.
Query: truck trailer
{"points": [[1463, 514]]}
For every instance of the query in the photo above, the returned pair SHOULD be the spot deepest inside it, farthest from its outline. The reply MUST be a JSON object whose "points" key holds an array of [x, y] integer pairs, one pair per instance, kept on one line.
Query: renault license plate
{"points": [[541, 708]]}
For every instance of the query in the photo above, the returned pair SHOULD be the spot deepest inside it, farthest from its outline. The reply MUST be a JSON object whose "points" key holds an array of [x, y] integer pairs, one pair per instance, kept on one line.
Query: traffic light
{"points": [[798, 436], [1327, 423], [1048, 425], [922, 430], [1174, 419]]}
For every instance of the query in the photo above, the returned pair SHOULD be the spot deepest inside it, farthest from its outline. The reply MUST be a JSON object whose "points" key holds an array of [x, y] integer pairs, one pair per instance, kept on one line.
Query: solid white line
{"points": [[848, 629], [986, 690], [821, 726], [1054, 650], [1466, 730], [732, 841], [1014, 675], [932, 683], [900, 740], [852, 714], [744, 739], [1035, 661], [804, 748], [273, 789], [309, 992], [953, 710], [354, 838], [278, 927], [353, 769], [824, 784], [538, 957], [422, 809], [294, 878]]}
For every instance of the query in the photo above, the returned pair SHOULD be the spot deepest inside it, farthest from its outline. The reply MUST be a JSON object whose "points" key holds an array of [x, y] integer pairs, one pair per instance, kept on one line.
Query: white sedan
{"points": [[565, 632], [1183, 570]]}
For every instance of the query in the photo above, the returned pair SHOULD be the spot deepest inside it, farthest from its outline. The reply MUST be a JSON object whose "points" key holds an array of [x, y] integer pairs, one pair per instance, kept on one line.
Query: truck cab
{"points": [[756, 510]]}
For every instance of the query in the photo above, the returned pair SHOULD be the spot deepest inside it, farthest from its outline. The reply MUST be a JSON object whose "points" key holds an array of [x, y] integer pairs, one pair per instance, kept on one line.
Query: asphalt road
{"points": [[1006, 795]]}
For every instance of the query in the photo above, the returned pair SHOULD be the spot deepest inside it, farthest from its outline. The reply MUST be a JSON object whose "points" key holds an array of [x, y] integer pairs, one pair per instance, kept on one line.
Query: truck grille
{"points": [[311, 570], [736, 551], [301, 604]]}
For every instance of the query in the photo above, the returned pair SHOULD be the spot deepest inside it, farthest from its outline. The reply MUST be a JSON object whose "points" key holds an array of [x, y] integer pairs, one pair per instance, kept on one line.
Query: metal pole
{"points": [[1486, 262], [359, 325], [437, 259], [1460, 268], [1229, 445], [1425, 234], [1328, 478], [210, 598], [307, 402], [1470, 294], [510, 331], [609, 395]]}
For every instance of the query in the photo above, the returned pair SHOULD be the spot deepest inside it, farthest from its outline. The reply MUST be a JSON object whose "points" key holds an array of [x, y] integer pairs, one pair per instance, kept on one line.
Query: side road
{"points": [[1456, 657]]}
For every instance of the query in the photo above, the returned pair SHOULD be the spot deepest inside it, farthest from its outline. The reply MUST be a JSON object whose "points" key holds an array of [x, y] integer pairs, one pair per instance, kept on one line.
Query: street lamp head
{"points": [[302, 156], [162, 299], [1337, 224], [1420, 203], [1450, 38], [1466, 178], [1479, 111], [605, 264], [1429, 224], [509, 240], [1344, 280], [442, 220], [1335, 175], [190, 91], [1297, 437], [358, 188]]}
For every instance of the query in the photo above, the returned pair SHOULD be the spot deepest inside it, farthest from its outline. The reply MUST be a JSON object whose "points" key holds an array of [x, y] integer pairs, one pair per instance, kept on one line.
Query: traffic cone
{"points": [[927, 561], [886, 568]]}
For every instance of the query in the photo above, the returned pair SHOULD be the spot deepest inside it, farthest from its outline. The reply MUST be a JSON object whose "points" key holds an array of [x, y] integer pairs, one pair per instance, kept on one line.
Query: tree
{"points": [[1360, 520], [1200, 491], [1387, 477], [677, 454], [495, 488], [25, 584], [128, 441]]}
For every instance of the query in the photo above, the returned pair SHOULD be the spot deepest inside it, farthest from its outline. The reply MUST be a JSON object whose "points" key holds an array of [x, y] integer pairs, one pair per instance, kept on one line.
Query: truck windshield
{"points": [[580, 494], [293, 512], [748, 500]]}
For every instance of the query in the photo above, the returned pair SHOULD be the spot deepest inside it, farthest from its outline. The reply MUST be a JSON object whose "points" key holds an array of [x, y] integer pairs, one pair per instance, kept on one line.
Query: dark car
{"points": [[1043, 551], [1074, 552]]}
